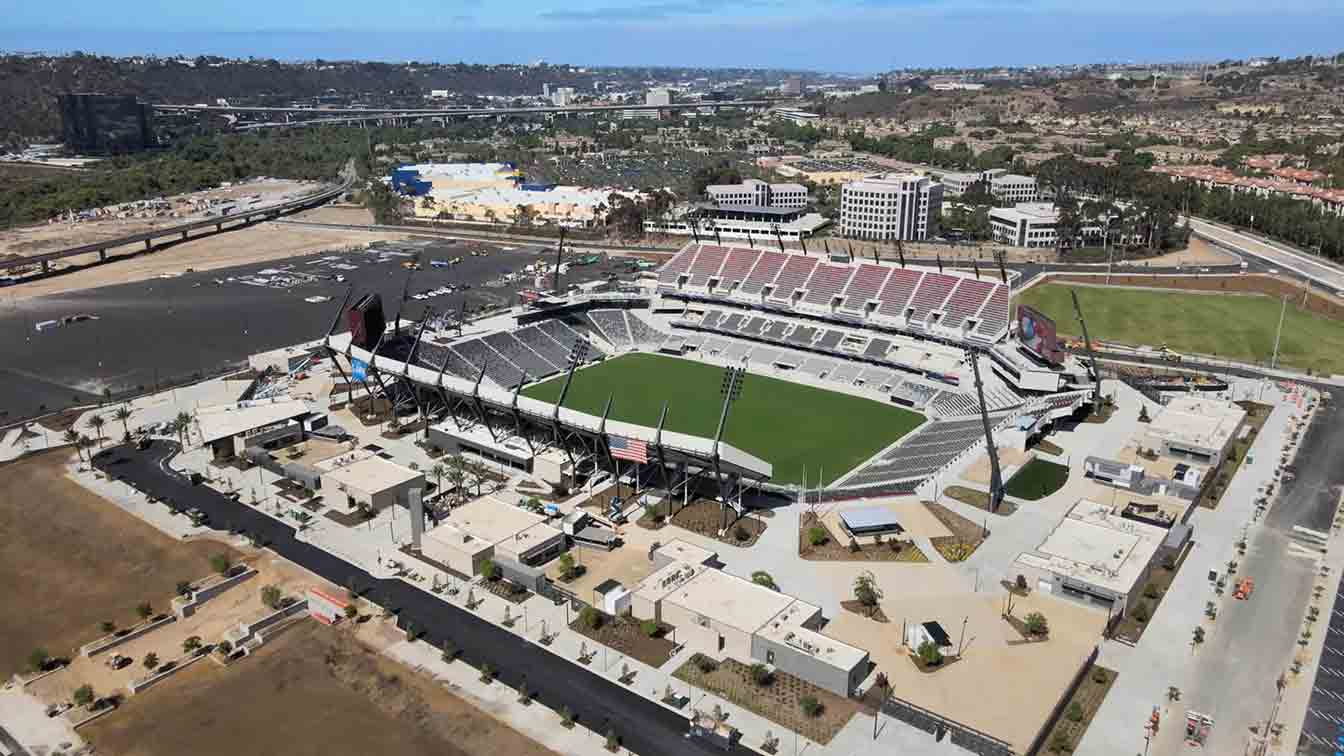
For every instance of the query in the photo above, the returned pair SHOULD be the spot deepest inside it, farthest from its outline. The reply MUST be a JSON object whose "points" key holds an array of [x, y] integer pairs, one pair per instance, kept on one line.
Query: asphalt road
{"points": [[168, 329], [644, 726]]}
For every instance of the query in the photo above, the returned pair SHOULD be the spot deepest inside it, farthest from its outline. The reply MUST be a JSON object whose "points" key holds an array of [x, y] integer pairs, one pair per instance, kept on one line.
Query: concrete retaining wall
{"points": [[112, 641], [137, 686], [185, 606]]}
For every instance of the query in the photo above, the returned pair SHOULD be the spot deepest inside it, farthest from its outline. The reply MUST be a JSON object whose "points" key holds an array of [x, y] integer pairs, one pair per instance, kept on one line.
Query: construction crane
{"points": [[1091, 356]]}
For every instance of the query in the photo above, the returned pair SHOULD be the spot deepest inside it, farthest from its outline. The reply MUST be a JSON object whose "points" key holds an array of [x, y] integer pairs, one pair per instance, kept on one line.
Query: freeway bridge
{"points": [[182, 231]]}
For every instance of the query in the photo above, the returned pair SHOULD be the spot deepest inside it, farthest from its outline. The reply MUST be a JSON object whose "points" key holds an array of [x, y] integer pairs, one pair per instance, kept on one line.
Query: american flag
{"points": [[630, 449]]}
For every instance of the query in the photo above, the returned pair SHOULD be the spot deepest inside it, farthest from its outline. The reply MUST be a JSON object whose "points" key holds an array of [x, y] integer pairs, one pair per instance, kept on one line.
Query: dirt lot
{"points": [[259, 243], [308, 692], [704, 517], [46, 237], [70, 560]]}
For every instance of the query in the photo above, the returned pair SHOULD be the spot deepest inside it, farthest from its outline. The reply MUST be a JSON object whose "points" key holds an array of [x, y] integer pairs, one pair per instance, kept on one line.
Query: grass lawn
{"points": [[787, 424], [978, 499], [1036, 480], [1239, 326]]}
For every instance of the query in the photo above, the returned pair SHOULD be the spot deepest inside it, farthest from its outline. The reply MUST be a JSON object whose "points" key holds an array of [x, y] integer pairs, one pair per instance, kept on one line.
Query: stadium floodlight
{"points": [[579, 352]]}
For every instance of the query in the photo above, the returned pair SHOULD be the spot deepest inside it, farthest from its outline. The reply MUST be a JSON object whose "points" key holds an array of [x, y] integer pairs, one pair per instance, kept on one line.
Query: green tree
{"points": [[191, 645], [489, 570], [71, 436], [151, 661], [96, 423], [1037, 624], [590, 618], [810, 705], [220, 563], [38, 660], [866, 590], [270, 596], [567, 565], [144, 610], [83, 695], [929, 653], [123, 413]]}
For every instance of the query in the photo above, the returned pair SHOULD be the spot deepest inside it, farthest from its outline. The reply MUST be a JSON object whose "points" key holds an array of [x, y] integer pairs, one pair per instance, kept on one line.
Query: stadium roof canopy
{"points": [[676, 447]]}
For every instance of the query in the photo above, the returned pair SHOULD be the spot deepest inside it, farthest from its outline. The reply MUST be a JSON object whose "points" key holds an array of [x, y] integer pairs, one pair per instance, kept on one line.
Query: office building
{"points": [[757, 193], [1011, 187], [957, 184], [792, 86], [658, 97], [563, 96], [1033, 225], [101, 123], [891, 206]]}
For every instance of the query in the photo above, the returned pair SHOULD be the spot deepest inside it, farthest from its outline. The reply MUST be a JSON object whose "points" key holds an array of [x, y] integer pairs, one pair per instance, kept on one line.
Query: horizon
{"points": [[867, 37]]}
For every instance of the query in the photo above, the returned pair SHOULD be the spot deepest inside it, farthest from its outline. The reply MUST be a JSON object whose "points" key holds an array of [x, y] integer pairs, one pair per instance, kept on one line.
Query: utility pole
{"points": [[1274, 363]]}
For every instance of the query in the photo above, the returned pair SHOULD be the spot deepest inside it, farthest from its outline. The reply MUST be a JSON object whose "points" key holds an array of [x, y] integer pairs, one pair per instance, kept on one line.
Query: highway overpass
{"points": [[219, 224]]}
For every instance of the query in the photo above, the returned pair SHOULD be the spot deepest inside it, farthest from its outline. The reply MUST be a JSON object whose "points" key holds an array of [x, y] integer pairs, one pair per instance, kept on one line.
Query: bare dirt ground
{"points": [[70, 560], [308, 692], [260, 243], [337, 213], [45, 237]]}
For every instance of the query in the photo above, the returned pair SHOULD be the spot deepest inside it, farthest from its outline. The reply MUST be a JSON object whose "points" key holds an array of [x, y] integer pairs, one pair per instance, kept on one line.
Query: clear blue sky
{"points": [[853, 35]]}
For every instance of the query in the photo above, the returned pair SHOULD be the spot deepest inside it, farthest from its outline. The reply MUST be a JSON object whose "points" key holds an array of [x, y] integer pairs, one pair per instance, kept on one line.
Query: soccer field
{"points": [[786, 424], [1239, 326]]}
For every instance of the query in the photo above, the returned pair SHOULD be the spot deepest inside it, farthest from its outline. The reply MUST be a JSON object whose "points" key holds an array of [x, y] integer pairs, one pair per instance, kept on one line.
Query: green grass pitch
{"points": [[1237, 326], [787, 424]]}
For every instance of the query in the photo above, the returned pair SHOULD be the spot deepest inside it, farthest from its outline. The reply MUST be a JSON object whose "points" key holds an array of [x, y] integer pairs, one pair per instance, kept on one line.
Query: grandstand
{"points": [[951, 305], [919, 454]]}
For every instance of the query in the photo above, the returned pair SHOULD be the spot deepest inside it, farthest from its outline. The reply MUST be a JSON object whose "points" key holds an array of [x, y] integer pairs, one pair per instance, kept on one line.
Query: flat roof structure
{"points": [[790, 632], [865, 520], [1093, 545], [685, 551], [499, 523], [1197, 421], [229, 420], [372, 474], [731, 600]]}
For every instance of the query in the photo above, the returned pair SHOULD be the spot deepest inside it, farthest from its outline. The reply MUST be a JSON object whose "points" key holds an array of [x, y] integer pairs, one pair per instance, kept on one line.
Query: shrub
{"points": [[740, 533], [1036, 624], [705, 663], [613, 740], [1060, 743], [761, 675], [1141, 612], [108, 627], [220, 563], [1150, 591], [270, 596], [151, 661], [487, 673], [649, 628], [83, 695], [351, 611], [184, 588], [763, 578], [38, 659], [144, 609], [192, 644], [566, 716], [816, 535], [930, 654], [651, 512], [1075, 713], [591, 618], [810, 705], [567, 565], [489, 570], [1099, 676]]}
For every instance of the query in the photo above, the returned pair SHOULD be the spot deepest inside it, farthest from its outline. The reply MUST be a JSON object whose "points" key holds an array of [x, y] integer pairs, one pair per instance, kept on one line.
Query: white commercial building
{"points": [[757, 193], [891, 206], [1012, 187], [658, 97], [956, 184], [1033, 224], [1195, 428], [371, 483], [563, 96], [1093, 556]]}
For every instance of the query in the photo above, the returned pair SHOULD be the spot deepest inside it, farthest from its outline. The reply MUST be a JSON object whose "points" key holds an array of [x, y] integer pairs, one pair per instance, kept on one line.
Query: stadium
{"points": [[728, 367]]}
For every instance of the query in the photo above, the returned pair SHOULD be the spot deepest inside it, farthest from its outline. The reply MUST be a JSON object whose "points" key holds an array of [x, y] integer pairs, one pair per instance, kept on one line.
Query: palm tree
{"points": [[457, 475], [72, 437], [96, 422], [85, 443], [123, 413], [438, 471], [182, 424]]}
